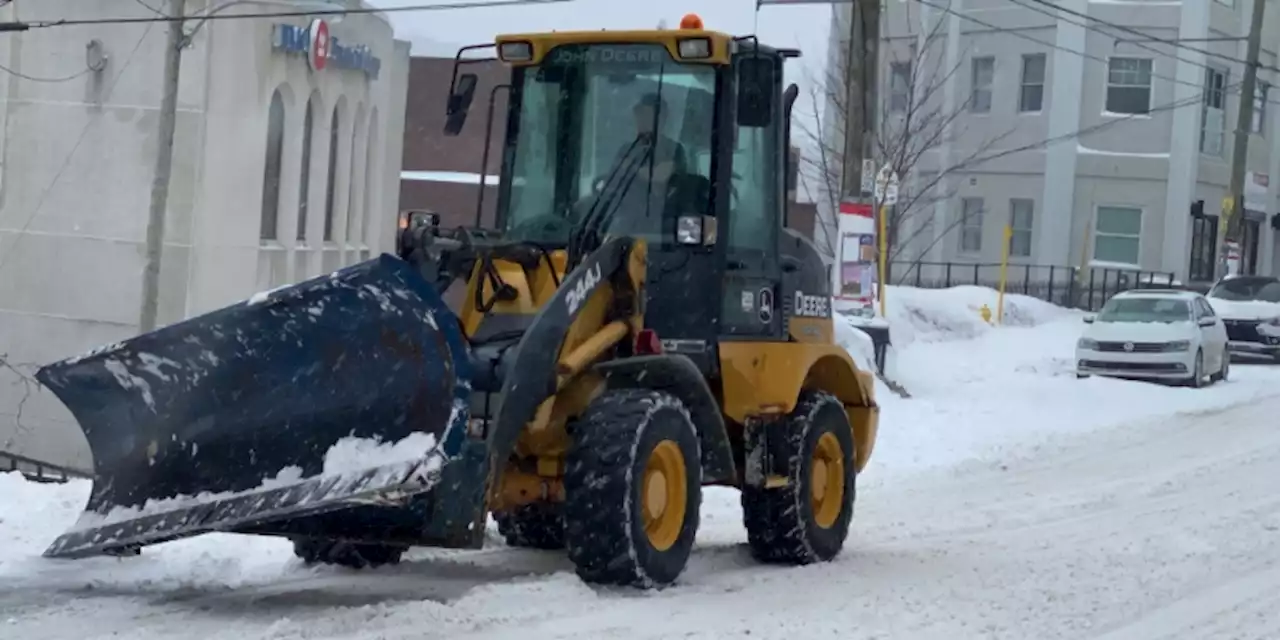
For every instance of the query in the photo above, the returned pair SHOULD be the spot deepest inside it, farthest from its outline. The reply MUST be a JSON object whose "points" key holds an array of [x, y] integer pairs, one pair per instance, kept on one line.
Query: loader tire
{"points": [[535, 526], [807, 520], [633, 489], [353, 555]]}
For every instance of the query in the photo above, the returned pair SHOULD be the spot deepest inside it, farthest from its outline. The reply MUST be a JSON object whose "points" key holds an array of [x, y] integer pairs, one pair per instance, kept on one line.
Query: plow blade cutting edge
{"points": [[229, 421]]}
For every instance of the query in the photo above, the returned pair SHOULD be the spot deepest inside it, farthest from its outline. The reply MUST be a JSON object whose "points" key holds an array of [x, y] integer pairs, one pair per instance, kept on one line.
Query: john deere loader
{"points": [[639, 323]]}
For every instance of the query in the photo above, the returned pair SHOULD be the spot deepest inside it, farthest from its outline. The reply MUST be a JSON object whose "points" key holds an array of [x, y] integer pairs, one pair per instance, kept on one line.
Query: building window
{"points": [[1031, 98], [269, 226], [1129, 85], [983, 74], [971, 225], [1260, 108], [899, 86], [304, 187], [353, 191], [368, 237], [331, 187], [1117, 234], [1213, 114], [1021, 215]]}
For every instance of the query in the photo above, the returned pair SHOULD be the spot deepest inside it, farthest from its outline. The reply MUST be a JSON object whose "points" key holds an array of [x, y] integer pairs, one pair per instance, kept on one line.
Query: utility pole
{"points": [[164, 166], [861, 84], [1233, 204]]}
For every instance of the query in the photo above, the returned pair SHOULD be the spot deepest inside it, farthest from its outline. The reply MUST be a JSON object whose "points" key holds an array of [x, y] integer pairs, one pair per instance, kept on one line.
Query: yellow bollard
{"points": [[985, 312]]}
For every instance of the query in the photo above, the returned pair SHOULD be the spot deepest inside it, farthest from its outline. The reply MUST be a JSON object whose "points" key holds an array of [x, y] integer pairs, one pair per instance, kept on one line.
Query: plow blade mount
{"points": [[228, 421]]}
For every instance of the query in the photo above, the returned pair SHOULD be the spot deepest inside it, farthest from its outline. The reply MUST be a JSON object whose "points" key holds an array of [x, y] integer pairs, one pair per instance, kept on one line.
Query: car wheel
{"points": [[1197, 373]]}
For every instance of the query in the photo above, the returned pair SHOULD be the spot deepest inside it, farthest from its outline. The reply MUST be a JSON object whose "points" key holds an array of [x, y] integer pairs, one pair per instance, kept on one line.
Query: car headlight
{"points": [[1177, 345], [1087, 343]]}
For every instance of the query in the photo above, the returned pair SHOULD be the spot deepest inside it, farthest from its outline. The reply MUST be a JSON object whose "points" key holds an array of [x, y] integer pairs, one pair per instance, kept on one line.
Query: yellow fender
{"points": [[766, 379]]}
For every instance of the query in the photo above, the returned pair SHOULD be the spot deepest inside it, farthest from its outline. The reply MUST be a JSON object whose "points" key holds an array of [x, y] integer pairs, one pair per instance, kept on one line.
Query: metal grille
{"points": [[1243, 330], [1138, 347]]}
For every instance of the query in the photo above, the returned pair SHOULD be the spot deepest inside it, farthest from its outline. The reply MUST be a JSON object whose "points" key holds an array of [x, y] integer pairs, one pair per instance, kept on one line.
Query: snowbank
{"points": [[933, 315], [983, 392]]}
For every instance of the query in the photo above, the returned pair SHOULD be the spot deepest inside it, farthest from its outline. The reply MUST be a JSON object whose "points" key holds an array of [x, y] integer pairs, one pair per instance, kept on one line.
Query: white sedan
{"points": [[1155, 334]]}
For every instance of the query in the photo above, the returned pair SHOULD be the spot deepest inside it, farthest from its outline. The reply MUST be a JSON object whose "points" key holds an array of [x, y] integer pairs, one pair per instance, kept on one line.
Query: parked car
{"points": [[1250, 307], [1155, 334]]}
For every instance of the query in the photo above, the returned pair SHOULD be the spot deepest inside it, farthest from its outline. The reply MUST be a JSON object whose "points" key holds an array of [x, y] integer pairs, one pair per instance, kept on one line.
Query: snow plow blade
{"points": [[228, 421]]}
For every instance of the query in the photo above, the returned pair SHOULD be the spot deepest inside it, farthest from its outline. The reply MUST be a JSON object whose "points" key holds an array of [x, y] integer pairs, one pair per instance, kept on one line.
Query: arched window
{"points": [[304, 188], [354, 208], [332, 187], [269, 229], [370, 178]]}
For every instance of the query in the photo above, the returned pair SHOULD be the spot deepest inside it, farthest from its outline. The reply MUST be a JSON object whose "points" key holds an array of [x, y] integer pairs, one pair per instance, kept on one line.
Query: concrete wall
{"points": [[76, 164]]}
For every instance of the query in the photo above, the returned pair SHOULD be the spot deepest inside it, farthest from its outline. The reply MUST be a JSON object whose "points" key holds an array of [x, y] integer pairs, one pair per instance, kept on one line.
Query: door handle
{"points": [[735, 265], [790, 264]]}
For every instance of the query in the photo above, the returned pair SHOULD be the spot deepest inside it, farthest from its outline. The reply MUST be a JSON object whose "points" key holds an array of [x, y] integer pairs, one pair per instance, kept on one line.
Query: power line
{"points": [[1177, 104], [309, 13], [1056, 16], [1131, 30], [1051, 45]]}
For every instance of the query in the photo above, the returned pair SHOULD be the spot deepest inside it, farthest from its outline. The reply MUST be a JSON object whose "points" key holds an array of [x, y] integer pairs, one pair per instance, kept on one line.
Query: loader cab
{"points": [[673, 136]]}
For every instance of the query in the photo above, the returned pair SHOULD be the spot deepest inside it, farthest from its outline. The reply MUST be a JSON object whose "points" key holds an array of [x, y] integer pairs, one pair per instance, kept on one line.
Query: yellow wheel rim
{"points": [[826, 481], [663, 497]]}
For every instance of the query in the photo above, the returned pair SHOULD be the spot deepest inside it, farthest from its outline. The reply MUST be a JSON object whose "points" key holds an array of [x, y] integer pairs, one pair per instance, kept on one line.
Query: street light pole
{"points": [[164, 167]]}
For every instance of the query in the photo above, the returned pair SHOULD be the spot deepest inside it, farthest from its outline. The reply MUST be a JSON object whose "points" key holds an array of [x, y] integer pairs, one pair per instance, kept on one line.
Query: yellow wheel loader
{"points": [[639, 324]]}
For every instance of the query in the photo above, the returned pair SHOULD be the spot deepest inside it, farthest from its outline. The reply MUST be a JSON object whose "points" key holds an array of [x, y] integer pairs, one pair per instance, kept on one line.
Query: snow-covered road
{"points": [[1005, 500], [1158, 529]]}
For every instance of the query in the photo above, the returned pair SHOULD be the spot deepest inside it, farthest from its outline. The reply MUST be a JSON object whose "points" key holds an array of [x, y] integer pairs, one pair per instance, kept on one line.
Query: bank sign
{"points": [[322, 50]]}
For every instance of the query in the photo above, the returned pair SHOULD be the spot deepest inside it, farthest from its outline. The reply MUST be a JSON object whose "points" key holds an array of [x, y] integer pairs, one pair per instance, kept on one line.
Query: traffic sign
{"points": [[886, 189]]}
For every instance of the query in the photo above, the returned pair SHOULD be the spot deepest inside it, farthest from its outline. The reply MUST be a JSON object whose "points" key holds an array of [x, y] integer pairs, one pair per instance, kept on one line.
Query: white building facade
{"points": [[1103, 132], [286, 166]]}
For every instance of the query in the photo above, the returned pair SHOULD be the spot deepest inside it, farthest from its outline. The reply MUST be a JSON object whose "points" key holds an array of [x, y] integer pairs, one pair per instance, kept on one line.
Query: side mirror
{"points": [[1207, 322], [1088, 319], [464, 91], [756, 81]]}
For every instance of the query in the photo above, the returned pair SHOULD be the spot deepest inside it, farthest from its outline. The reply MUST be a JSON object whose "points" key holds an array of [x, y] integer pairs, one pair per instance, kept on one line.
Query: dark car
{"points": [[1250, 308]]}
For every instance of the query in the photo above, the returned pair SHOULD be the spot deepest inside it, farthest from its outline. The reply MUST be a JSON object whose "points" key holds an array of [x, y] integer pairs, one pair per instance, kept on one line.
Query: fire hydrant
{"points": [[985, 312]]}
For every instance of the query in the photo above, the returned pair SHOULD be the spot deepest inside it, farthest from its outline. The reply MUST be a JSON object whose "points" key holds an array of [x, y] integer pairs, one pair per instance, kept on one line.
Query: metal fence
{"points": [[1067, 286], [37, 470]]}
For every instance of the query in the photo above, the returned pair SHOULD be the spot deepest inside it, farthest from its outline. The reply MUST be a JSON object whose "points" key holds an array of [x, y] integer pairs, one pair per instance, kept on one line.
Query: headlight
{"points": [[1087, 343], [515, 51], [1177, 345], [695, 48], [689, 230]]}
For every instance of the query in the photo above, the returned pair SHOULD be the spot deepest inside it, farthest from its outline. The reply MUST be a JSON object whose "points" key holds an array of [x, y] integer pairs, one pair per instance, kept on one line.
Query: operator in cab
{"points": [[648, 170]]}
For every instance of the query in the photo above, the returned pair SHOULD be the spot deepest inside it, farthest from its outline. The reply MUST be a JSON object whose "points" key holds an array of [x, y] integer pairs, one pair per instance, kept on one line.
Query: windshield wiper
{"points": [[601, 211]]}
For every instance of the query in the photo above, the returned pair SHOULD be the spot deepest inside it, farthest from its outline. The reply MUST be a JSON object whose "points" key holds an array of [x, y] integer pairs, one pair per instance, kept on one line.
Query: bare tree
{"points": [[917, 127]]}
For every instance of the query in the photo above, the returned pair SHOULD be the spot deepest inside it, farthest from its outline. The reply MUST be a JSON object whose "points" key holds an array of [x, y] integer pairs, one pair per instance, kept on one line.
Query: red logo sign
{"points": [[319, 45]]}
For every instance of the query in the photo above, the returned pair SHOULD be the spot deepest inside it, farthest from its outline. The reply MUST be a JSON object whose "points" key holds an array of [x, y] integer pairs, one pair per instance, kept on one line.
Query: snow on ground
{"points": [[996, 422]]}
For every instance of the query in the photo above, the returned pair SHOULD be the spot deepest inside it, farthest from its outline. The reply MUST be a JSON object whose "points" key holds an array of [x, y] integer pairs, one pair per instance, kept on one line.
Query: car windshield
{"points": [[1147, 309], [605, 133], [1247, 288]]}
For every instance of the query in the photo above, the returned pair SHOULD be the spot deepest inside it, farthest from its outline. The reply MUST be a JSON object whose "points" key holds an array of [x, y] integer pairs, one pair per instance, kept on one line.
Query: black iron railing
{"points": [[38, 470], [1068, 286]]}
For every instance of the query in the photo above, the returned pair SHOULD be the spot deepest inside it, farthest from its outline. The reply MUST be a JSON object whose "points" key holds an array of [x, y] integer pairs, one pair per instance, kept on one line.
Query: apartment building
{"points": [[1102, 145]]}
